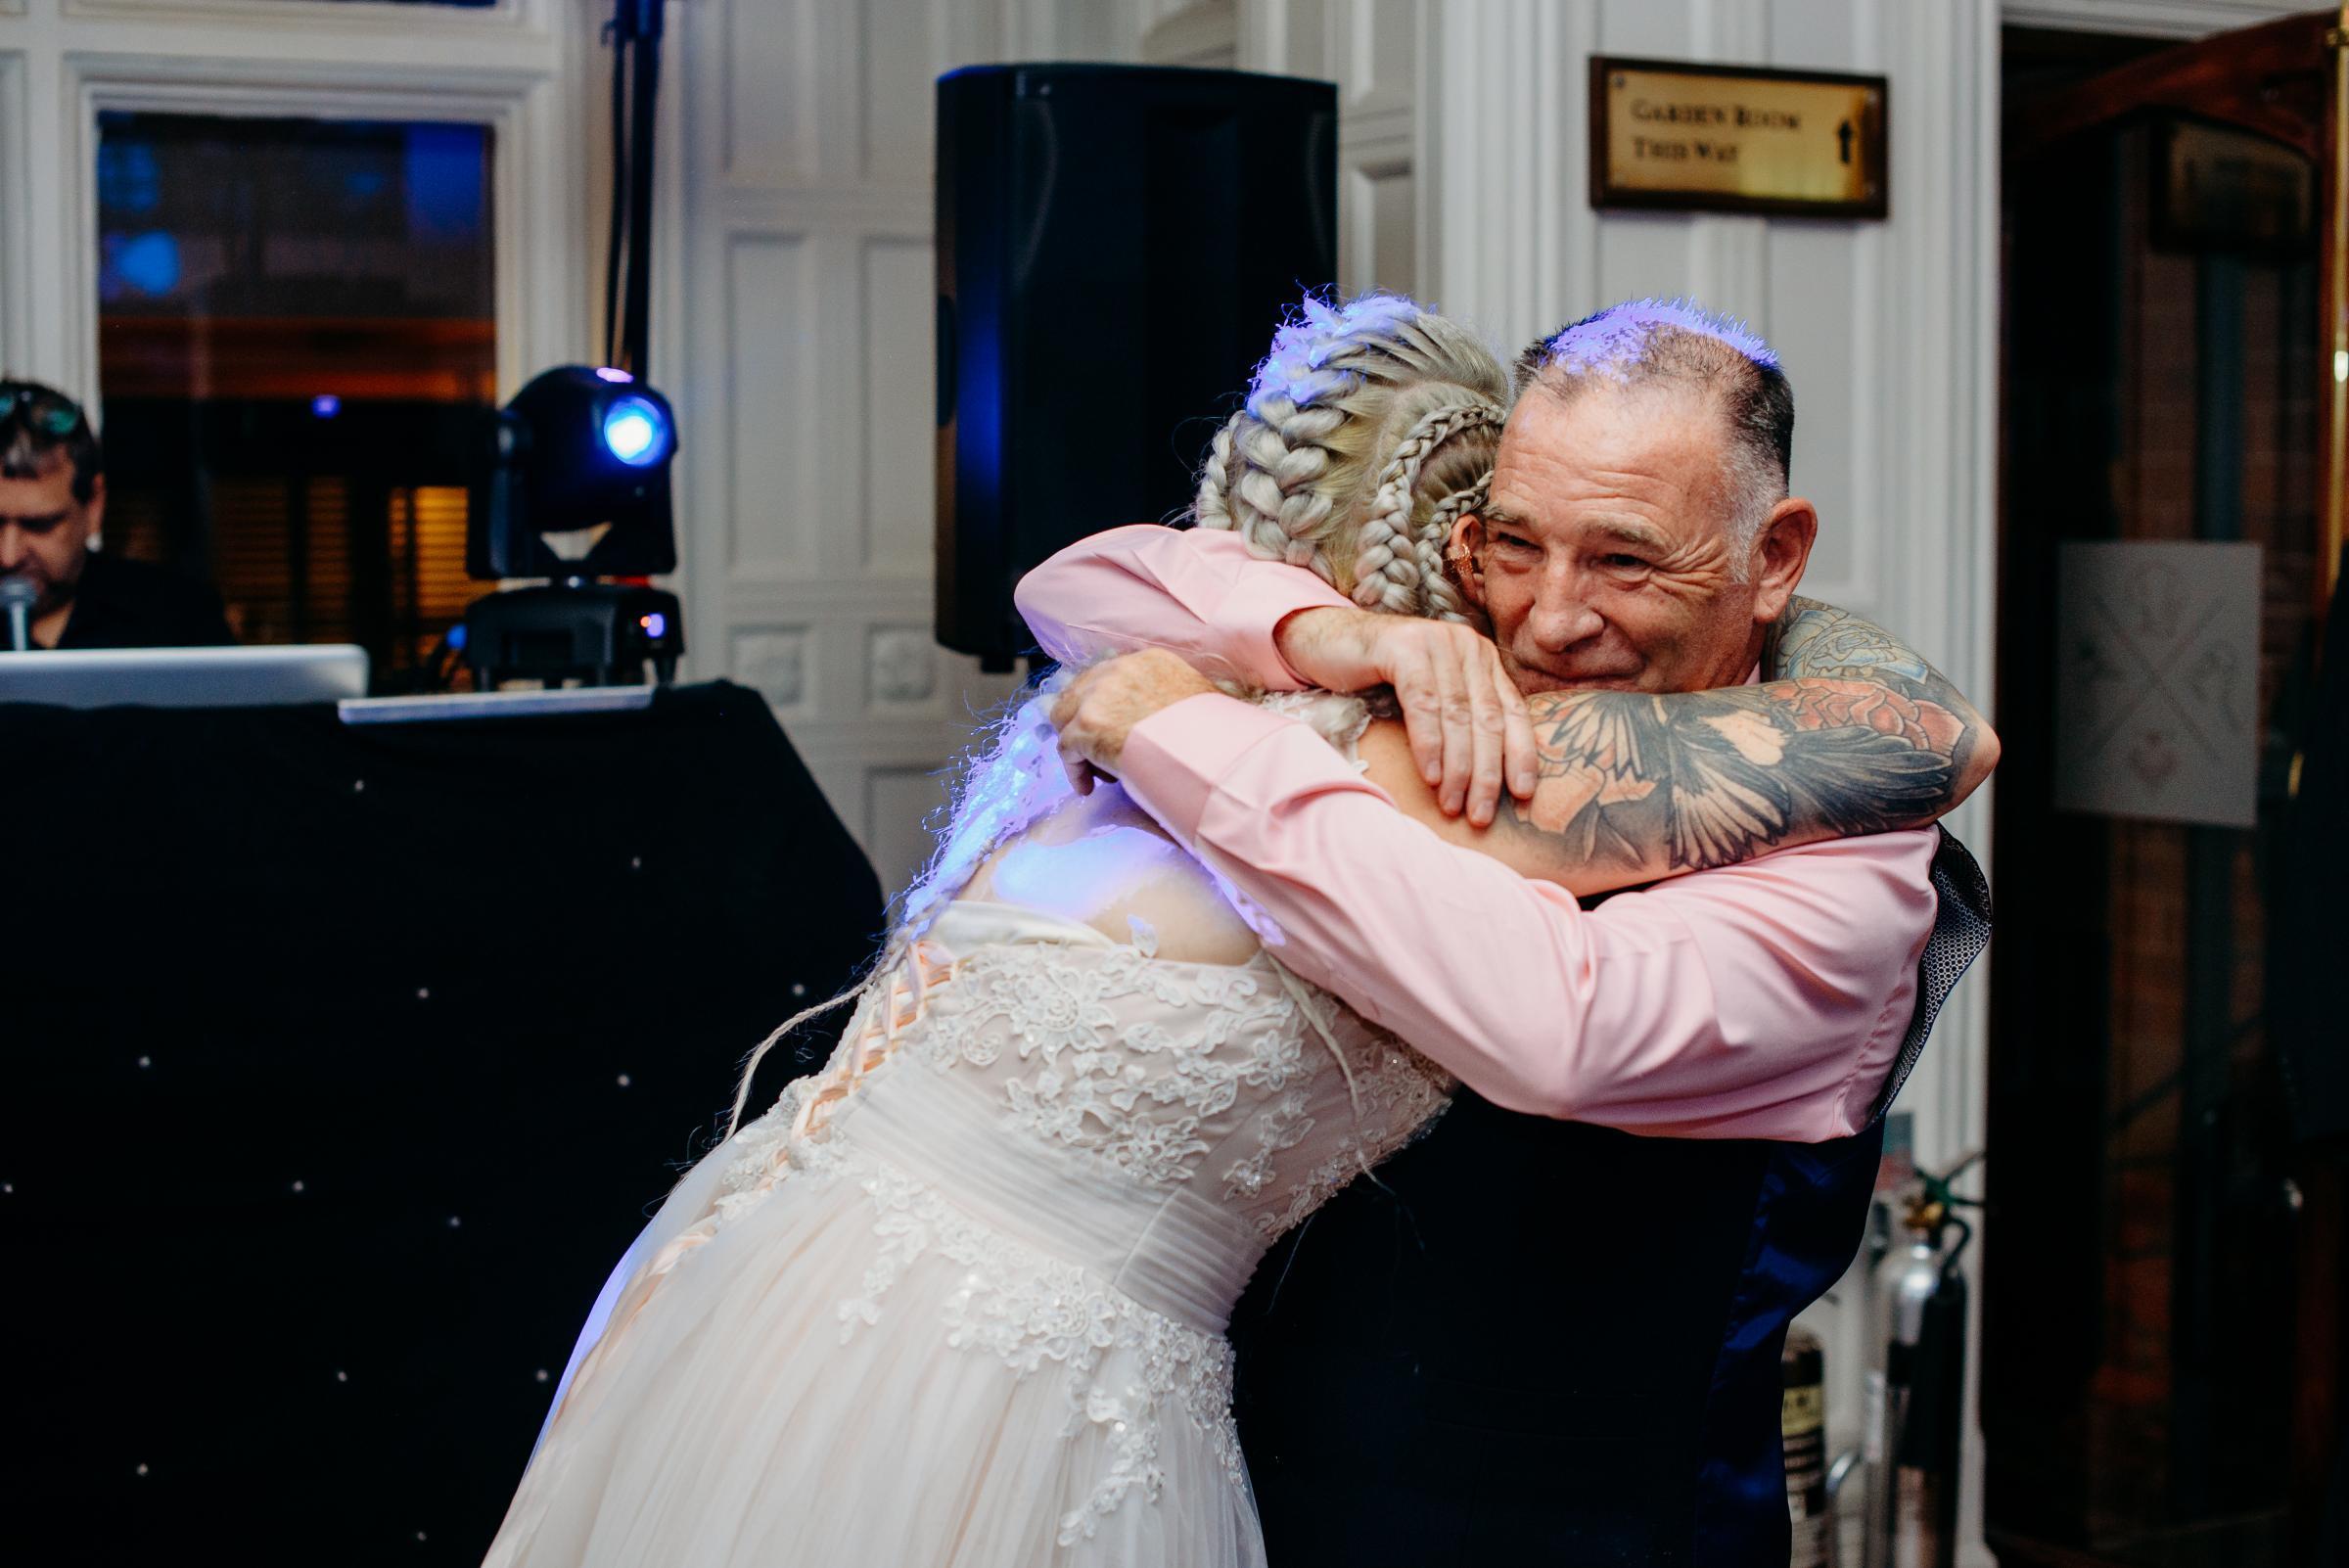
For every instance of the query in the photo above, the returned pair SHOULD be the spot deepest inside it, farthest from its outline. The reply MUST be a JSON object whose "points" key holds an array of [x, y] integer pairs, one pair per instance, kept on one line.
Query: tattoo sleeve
{"points": [[1852, 733]]}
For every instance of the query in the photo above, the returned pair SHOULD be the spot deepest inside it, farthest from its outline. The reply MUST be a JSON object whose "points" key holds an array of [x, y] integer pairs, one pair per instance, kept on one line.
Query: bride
{"points": [[959, 1297]]}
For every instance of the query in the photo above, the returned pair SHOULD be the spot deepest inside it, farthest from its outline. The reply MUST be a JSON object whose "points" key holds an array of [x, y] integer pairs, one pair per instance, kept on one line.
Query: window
{"points": [[297, 341]]}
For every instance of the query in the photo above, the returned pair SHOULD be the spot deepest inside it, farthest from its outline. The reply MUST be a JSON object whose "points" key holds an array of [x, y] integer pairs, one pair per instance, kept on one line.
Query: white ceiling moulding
{"points": [[1204, 34], [535, 191], [537, 17], [2151, 19]]}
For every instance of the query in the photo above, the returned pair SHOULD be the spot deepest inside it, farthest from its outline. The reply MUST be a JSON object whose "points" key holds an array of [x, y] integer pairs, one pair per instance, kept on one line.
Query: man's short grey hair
{"points": [[1679, 343]]}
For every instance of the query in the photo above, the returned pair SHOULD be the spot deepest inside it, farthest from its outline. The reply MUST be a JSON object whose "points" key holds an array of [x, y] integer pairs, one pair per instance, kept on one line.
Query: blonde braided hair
{"points": [[1389, 572], [1369, 429]]}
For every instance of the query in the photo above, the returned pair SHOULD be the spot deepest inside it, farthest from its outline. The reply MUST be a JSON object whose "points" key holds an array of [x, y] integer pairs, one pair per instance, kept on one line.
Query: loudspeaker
{"points": [[1116, 244]]}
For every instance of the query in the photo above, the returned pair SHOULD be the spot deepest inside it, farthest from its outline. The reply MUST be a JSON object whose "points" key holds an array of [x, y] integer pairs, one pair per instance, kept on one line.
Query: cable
{"points": [[645, 87], [620, 164], [635, 34]]}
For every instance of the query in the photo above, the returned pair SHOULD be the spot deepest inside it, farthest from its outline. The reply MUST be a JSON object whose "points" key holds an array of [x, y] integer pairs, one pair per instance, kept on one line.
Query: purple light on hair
{"points": [[1612, 338], [1297, 368], [609, 374]]}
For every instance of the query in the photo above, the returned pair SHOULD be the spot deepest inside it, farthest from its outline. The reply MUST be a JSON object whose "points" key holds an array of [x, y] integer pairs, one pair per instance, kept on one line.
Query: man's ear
{"points": [[1464, 557], [1781, 550]]}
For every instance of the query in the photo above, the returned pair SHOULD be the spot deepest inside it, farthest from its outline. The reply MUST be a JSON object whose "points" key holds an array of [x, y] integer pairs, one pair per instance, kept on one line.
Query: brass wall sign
{"points": [[1738, 139]]}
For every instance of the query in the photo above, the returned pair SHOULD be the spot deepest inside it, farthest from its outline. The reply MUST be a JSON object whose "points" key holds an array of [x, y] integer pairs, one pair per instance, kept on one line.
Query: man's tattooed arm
{"points": [[1854, 733]]}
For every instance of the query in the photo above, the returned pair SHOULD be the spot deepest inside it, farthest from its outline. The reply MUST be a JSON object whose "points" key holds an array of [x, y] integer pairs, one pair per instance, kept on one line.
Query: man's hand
{"points": [[1099, 708], [1466, 719]]}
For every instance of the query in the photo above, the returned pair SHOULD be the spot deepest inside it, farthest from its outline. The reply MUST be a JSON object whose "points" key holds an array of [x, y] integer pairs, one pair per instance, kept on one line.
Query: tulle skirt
{"points": [[839, 1363]]}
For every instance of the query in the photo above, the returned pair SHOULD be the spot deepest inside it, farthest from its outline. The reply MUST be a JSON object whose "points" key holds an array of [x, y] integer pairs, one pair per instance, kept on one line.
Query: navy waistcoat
{"points": [[1533, 1341]]}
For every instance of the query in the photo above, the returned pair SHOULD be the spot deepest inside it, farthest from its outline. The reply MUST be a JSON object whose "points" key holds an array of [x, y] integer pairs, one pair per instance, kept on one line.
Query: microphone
{"points": [[18, 595]]}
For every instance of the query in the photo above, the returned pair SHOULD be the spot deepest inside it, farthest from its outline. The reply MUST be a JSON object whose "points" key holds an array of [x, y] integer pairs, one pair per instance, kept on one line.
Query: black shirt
{"points": [[131, 604]]}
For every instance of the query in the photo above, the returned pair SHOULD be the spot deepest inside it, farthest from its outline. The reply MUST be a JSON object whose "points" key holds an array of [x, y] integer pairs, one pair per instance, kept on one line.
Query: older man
{"points": [[1536, 1338]]}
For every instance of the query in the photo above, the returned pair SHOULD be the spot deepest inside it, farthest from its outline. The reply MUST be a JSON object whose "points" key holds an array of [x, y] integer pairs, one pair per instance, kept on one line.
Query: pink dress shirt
{"points": [[1766, 999]]}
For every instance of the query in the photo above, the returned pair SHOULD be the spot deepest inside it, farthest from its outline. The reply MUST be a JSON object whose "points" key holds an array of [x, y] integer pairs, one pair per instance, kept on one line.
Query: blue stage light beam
{"points": [[636, 431]]}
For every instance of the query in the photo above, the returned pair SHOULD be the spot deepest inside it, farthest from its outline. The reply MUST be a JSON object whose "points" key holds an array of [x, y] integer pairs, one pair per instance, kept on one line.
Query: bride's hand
{"points": [[1465, 717], [1095, 712]]}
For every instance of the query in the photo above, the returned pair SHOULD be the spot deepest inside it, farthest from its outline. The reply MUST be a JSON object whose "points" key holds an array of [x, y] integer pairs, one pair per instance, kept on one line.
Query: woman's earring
{"points": [[1460, 563]]}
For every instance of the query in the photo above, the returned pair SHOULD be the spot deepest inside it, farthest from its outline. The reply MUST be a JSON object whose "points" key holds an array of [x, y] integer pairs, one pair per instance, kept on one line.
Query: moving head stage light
{"points": [[573, 487], [572, 482]]}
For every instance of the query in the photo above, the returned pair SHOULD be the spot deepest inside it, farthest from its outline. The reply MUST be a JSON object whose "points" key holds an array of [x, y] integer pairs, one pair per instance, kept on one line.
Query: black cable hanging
{"points": [[616, 245], [635, 34]]}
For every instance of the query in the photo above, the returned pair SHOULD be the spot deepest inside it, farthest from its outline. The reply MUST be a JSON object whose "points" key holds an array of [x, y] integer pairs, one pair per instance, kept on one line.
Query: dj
{"points": [[52, 505]]}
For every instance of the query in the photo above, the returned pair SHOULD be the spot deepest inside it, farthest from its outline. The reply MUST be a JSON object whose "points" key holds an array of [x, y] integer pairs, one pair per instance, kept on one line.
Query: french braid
{"points": [[1369, 427], [1388, 571], [1444, 599]]}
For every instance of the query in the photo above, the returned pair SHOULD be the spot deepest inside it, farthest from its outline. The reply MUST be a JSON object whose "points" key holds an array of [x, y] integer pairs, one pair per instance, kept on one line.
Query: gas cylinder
{"points": [[1916, 1391]]}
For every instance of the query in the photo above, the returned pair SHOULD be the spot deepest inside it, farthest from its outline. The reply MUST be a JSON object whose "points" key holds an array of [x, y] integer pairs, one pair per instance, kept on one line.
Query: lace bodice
{"points": [[1238, 1084], [1102, 1139], [1230, 1082], [1120, 1076]]}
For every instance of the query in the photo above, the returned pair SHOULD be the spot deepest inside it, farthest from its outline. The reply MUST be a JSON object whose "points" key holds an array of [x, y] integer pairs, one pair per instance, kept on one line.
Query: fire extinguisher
{"points": [[1917, 1384]]}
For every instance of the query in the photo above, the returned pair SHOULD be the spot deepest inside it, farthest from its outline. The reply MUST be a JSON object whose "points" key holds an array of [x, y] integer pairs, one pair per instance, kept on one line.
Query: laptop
{"points": [[184, 677]]}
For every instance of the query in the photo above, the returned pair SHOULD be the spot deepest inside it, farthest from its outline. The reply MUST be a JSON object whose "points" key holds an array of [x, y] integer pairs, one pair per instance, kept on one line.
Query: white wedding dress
{"points": [[970, 1311]]}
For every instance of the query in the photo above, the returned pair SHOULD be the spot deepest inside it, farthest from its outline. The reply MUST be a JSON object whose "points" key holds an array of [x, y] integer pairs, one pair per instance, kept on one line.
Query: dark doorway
{"points": [[2157, 1306]]}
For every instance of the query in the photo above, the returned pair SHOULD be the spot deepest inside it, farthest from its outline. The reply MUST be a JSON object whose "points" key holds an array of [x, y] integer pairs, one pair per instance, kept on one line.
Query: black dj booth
{"points": [[343, 1062]]}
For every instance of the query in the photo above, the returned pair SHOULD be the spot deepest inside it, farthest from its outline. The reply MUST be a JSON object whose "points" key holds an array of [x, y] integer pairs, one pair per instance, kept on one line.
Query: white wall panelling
{"points": [[901, 801], [806, 399], [771, 406], [1203, 33], [902, 662], [899, 464], [1372, 50], [773, 661], [767, 100], [1377, 203]]}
